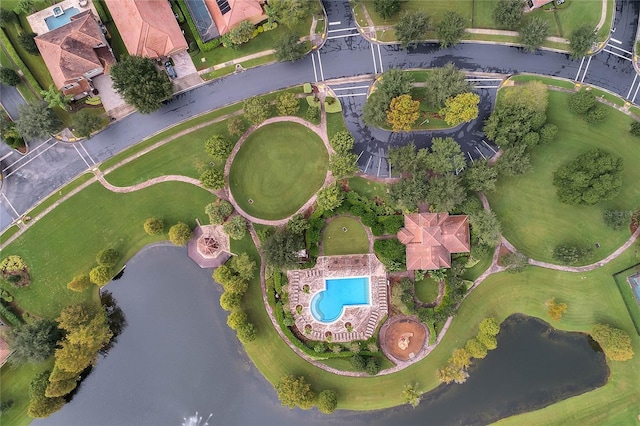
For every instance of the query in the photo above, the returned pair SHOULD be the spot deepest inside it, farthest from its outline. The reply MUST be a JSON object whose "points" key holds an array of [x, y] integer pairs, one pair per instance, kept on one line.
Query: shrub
{"points": [[556, 310], [247, 333], [597, 114], [489, 326], [79, 283], [241, 33], [230, 301], [218, 147], [475, 348], [635, 128], [44, 407], [358, 362], [236, 126], [7, 17], [571, 254], [236, 319], [218, 211], [327, 401], [212, 178], [287, 104], [582, 101], [108, 257], [9, 77], [153, 226], [180, 234], [313, 113], [616, 219], [373, 366], [391, 253], [101, 275], [236, 227], [27, 42], [11, 317], [236, 285], [615, 343], [60, 388], [487, 341]]}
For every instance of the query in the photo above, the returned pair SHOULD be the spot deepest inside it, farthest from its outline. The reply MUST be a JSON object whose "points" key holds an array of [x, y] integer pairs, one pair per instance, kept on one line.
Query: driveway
{"points": [[111, 100]]}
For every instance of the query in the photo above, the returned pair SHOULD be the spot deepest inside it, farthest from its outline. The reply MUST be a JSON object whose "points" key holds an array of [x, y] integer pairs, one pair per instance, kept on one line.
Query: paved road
{"points": [[344, 55]]}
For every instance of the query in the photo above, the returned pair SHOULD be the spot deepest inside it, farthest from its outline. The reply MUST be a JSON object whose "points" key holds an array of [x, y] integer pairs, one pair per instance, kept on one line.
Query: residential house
{"points": [[148, 27], [75, 53], [229, 13]]}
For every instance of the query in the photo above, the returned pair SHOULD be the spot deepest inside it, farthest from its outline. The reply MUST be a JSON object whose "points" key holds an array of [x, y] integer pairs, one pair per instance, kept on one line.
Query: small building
{"points": [[209, 246], [148, 27], [214, 18], [432, 237], [75, 53], [536, 4]]}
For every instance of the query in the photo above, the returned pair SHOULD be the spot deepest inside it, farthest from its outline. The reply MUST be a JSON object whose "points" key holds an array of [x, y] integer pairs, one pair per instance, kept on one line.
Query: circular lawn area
{"points": [[277, 169], [337, 241]]}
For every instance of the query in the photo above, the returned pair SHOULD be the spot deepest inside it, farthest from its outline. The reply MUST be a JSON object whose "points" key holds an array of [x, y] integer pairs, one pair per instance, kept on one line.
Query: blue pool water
{"points": [[54, 22], [327, 305]]}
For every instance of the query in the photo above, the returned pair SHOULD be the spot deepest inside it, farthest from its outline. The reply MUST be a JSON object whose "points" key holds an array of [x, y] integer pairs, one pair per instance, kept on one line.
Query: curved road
{"points": [[51, 164]]}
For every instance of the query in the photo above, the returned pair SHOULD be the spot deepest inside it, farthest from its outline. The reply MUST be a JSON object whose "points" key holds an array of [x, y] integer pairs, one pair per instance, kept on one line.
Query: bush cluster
{"points": [[584, 103]]}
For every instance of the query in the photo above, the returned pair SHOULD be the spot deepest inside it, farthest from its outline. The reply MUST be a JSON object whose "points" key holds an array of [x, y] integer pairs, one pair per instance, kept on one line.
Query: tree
{"points": [[450, 29], [597, 114], [236, 227], [445, 156], [327, 399], [386, 8], [485, 226], [212, 178], [343, 165], [289, 12], [590, 178], [24, 6], [223, 274], [487, 340], [180, 234], [313, 113], [37, 121], [475, 348], [218, 211], [534, 95], [411, 28], [44, 407], [461, 108], [514, 262], [635, 128], [140, 83], [514, 161], [60, 387], [85, 123], [581, 40], [256, 110], [357, 361], [153, 226], [403, 113], [7, 17], [289, 48], [330, 198], [236, 285], [481, 177], [555, 310], [108, 257], [615, 343], [295, 392], [75, 316], [489, 326], [235, 126], [241, 33], [373, 366], [33, 342], [79, 283], [445, 192], [410, 395], [9, 76], [508, 13], [571, 254], [616, 219], [342, 141], [297, 225], [408, 193], [218, 147], [534, 33], [582, 101], [230, 301], [28, 43], [55, 98], [101, 275], [452, 373], [445, 82], [281, 248], [236, 319], [393, 83], [287, 104], [548, 132], [247, 333]]}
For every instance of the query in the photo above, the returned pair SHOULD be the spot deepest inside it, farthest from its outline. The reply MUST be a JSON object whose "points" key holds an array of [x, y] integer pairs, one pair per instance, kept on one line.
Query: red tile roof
{"points": [[74, 49], [241, 10], [5, 351], [432, 237], [148, 27]]}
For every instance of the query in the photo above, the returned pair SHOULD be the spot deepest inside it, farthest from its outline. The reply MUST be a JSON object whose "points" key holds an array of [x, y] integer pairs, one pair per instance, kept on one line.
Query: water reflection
{"points": [[176, 357]]}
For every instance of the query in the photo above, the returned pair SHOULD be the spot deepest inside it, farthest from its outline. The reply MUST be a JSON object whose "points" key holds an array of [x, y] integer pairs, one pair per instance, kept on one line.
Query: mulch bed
{"points": [[396, 330], [503, 250]]}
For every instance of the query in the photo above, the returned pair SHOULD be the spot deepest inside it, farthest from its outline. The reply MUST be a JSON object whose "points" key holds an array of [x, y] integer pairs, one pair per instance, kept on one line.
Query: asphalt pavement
{"points": [[344, 54]]}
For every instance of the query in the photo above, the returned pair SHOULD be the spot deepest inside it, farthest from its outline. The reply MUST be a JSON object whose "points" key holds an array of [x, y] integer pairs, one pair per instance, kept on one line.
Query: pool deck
{"points": [[38, 24], [364, 319]]}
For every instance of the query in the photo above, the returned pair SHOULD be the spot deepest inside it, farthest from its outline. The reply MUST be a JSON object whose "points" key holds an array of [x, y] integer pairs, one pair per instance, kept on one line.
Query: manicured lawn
{"points": [[369, 188], [15, 386], [549, 81], [335, 123], [426, 290], [279, 167], [532, 217], [434, 9], [62, 192], [337, 241], [64, 243], [476, 270]]}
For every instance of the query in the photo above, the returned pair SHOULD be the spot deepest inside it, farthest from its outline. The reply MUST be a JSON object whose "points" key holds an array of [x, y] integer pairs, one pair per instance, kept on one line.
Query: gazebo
{"points": [[209, 246]]}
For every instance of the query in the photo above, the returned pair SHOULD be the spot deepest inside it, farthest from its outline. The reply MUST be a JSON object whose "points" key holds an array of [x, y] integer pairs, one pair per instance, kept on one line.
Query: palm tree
{"points": [[55, 98]]}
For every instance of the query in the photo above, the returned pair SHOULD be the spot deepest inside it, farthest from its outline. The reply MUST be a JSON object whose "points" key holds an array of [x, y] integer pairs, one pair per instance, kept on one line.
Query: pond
{"points": [[177, 357]]}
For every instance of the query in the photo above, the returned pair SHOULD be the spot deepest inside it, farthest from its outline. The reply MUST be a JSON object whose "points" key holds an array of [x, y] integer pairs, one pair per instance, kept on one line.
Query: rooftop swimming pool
{"points": [[328, 304], [60, 17]]}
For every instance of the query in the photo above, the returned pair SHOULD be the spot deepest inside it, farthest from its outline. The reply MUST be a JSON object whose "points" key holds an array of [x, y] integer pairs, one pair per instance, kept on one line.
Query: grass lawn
{"points": [[549, 81], [426, 290], [15, 386], [279, 167], [532, 217], [476, 270], [337, 241], [369, 188]]}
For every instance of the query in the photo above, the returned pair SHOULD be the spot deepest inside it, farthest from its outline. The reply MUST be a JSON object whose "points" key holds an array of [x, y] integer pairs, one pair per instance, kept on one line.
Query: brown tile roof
{"points": [[148, 27], [73, 49], [539, 3], [432, 237], [5, 351], [241, 10]]}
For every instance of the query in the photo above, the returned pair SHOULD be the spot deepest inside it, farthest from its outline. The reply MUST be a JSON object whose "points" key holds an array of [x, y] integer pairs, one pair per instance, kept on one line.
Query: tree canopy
{"points": [[590, 178], [256, 109], [85, 123], [445, 156], [392, 84], [37, 121], [446, 192], [445, 82], [461, 108], [327, 400], [615, 343], [180, 234], [330, 198], [581, 40], [295, 392], [508, 13], [218, 146], [7, 75], [289, 48], [411, 28], [534, 33], [485, 227], [289, 12], [33, 342], [450, 29], [140, 83], [480, 176], [403, 113]]}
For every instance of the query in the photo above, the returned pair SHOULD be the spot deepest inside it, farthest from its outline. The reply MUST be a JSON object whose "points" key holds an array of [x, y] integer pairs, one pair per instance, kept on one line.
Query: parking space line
{"points": [[470, 157], [343, 36], [315, 73], [380, 58], [368, 162], [336, 89], [30, 159], [615, 40], [335, 23], [78, 151], [379, 164], [632, 84], [359, 156], [320, 64], [480, 152], [619, 48], [351, 94], [373, 56], [616, 54], [10, 205], [579, 68], [586, 69], [87, 152], [489, 146], [342, 29]]}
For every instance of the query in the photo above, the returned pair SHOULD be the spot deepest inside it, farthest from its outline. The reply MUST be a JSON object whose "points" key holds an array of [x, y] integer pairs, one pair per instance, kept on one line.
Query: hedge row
{"points": [[103, 11], [18, 61], [9, 315]]}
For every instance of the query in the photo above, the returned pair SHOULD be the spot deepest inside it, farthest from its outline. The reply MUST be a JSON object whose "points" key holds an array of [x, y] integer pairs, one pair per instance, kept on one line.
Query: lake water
{"points": [[177, 356]]}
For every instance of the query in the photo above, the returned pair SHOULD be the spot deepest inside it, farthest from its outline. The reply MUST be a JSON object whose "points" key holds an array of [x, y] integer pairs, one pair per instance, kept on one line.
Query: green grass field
{"points": [[426, 290], [279, 167], [369, 189], [532, 217], [337, 241]]}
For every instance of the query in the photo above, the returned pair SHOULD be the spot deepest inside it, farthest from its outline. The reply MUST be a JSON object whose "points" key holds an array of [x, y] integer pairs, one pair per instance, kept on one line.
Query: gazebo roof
{"points": [[209, 246]]}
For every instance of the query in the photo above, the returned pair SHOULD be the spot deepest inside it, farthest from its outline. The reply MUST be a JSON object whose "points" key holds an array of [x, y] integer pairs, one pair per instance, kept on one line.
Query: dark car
{"points": [[170, 70]]}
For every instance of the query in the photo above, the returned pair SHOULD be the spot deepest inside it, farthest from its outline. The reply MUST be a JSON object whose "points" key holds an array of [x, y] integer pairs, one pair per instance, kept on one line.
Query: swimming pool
{"points": [[327, 305], [634, 281], [59, 19]]}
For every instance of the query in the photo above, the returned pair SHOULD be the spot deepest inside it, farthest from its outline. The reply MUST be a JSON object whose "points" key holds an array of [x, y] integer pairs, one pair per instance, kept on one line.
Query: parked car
{"points": [[170, 70]]}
